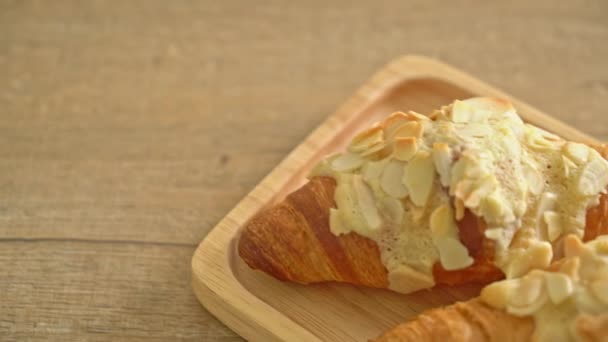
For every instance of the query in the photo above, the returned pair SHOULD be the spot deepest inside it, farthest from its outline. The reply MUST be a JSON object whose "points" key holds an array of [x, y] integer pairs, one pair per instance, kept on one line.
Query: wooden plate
{"points": [[261, 308]]}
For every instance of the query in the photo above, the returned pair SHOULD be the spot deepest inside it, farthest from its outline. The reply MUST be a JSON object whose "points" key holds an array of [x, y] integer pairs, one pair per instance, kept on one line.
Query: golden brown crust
{"points": [[470, 321], [292, 241]]}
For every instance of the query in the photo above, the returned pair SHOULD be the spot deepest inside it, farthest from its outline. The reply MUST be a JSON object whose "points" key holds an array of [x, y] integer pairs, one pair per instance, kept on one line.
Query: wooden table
{"points": [[127, 129]]}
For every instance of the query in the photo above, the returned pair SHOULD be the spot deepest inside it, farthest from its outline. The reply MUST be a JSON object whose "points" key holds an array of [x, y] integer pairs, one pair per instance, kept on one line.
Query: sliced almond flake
{"points": [[600, 244], [497, 294], [530, 297], [404, 279], [570, 267], [559, 286], [569, 166], [394, 209], [461, 112], [496, 106], [409, 129], [442, 223], [347, 162], [493, 233], [417, 213], [481, 189], [529, 289], [442, 157], [418, 177], [554, 225], [366, 202], [537, 255], [473, 130], [577, 152], [453, 255], [373, 170], [416, 116], [494, 206], [573, 246], [373, 136], [459, 208], [546, 203], [393, 122], [533, 178], [335, 222], [464, 188], [535, 139], [390, 182], [404, 148], [479, 109], [373, 149], [594, 177]]}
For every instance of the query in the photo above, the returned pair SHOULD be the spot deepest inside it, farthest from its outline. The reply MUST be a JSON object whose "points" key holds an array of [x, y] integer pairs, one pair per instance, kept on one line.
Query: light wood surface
{"points": [[129, 128], [260, 308]]}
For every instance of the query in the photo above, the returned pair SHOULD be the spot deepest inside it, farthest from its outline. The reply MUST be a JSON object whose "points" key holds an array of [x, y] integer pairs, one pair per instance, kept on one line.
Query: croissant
{"points": [[563, 313], [293, 241], [475, 321]]}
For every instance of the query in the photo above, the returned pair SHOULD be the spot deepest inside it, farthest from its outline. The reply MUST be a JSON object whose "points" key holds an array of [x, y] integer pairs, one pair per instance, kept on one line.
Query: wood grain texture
{"points": [[125, 126]]}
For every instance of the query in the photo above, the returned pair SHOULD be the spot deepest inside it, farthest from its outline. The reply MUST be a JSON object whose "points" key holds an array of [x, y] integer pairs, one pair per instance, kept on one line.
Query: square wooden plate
{"points": [[261, 308]]}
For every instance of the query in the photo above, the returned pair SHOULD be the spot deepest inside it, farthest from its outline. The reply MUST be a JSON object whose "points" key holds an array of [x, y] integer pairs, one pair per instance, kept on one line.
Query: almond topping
{"points": [[418, 177], [579, 153], [409, 129], [416, 116], [459, 207], [479, 108], [442, 157], [393, 208], [452, 254], [367, 139], [372, 170], [461, 112], [391, 180], [404, 148], [346, 162], [494, 205], [393, 122], [407, 280], [481, 190], [570, 267], [533, 178], [537, 255], [497, 294], [559, 286], [546, 203], [365, 199], [573, 246], [554, 225], [569, 166], [473, 130], [530, 296], [594, 177], [375, 152], [335, 222], [442, 223]]}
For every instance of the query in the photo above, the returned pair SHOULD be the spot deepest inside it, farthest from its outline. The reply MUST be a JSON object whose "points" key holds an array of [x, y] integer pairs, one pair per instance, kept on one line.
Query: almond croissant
{"points": [[453, 163], [566, 302]]}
